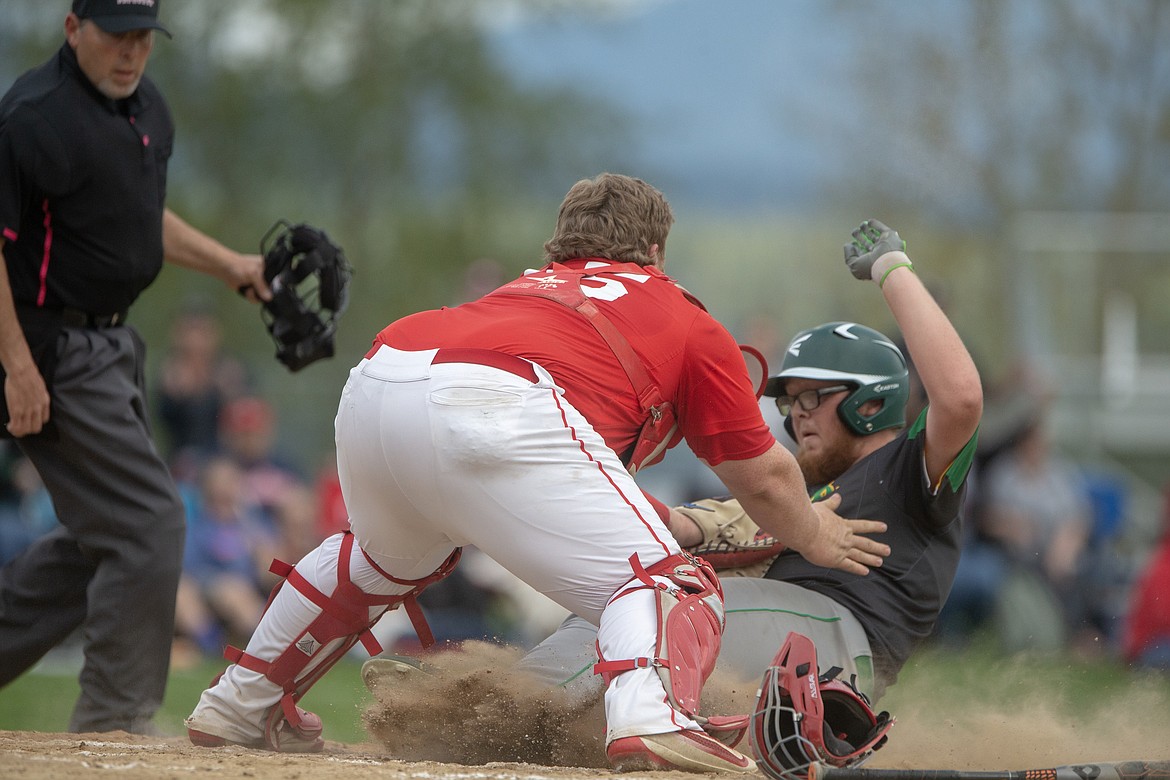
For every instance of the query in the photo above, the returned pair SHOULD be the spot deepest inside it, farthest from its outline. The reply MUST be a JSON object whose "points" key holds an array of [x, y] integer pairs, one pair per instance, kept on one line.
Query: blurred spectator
{"points": [[275, 485], [296, 523], [247, 433], [229, 547], [983, 567], [332, 516], [1036, 510], [26, 511], [1146, 640], [1106, 570], [196, 379]]}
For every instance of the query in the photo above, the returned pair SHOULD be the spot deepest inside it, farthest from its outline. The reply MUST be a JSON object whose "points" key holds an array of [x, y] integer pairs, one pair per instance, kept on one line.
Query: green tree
{"points": [[392, 125], [1035, 131], [1043, 104]]}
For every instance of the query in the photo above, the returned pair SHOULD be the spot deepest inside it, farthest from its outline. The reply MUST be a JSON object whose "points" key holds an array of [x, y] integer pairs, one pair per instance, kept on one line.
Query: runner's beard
{"points": [[821, 468]]}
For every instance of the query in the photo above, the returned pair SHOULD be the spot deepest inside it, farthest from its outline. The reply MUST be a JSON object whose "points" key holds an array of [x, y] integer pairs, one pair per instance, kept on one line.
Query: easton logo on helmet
{"points": [[794, 347]]}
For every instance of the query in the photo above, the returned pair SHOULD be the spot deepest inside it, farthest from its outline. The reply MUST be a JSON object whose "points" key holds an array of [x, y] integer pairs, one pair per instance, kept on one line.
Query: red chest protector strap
{"points": [[563, 285]]}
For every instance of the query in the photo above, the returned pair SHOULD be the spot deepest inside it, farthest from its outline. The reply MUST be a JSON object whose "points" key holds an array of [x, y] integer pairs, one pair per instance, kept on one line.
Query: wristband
{"points": [[907, 264], [888, 260]]}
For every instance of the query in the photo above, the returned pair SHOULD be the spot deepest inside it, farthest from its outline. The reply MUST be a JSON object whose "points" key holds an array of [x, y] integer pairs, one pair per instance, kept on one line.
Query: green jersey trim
{"points": [[957, 472]]}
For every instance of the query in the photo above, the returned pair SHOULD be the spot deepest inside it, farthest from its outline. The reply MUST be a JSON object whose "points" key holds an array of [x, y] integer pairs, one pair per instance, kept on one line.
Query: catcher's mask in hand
{"points": [[802, 716], [309, 277]]}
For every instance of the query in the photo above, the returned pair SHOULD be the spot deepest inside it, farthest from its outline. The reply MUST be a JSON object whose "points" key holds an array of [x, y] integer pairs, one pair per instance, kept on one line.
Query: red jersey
{"points": [[695, 362], [1148, 620]]}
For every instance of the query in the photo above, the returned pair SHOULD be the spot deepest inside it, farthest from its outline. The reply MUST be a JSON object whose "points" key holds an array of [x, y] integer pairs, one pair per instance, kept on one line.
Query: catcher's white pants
{"points": [[436, 456]]}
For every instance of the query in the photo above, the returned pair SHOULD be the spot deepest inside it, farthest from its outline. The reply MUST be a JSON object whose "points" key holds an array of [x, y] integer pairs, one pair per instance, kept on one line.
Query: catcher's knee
{"points": [[689, 631]]}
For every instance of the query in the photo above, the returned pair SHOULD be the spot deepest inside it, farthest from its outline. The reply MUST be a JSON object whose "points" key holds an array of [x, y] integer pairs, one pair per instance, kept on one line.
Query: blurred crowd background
{"points": [[1021, 148]]}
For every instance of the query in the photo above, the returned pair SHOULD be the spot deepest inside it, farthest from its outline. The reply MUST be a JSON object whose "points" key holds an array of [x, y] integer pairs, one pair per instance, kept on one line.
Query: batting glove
{"points": [[875, 251]]}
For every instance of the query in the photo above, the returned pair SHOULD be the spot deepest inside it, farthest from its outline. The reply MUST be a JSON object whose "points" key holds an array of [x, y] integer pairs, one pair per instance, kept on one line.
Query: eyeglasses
{"points": [[808, 400]]}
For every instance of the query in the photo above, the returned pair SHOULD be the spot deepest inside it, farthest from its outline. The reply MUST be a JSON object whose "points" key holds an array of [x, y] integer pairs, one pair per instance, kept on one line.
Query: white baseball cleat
{"points": [[689, 751], [279, 735]]}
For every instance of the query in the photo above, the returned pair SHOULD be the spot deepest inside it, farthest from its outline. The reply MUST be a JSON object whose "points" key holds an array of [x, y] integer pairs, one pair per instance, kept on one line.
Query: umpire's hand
{"points": [[248, 278], [27, 399]]}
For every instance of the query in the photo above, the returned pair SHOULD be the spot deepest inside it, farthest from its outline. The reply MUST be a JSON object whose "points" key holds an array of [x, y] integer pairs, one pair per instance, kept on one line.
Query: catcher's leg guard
{"points": [[306, 629], [688, 603], [690, 627]]}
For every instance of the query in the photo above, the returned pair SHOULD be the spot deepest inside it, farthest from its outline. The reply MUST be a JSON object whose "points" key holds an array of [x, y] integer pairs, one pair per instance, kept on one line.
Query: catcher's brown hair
{"points": [[611, 216]]}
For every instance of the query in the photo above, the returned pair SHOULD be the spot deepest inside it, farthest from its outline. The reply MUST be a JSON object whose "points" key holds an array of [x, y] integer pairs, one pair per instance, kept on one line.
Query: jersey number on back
{"points": [[608, 289]]}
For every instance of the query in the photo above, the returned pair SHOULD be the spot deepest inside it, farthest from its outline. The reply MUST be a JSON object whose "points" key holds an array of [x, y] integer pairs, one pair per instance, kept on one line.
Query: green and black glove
{"points": [[875, 251]]}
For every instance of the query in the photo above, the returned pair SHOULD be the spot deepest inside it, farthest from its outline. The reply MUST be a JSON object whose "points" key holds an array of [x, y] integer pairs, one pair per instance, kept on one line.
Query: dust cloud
{"points": [[472, 708]]}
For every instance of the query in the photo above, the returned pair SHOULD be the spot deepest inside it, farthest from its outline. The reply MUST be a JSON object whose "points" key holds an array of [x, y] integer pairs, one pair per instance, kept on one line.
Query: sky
{"points": [[724, 92]]}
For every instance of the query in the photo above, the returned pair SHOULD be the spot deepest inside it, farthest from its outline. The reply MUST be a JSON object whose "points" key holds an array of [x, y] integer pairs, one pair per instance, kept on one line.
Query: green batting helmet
{"points": [[855, 355]]}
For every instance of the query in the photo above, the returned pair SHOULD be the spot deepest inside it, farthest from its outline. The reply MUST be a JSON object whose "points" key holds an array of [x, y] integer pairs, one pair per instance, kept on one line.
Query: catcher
{"points": [[514, 423], [842, 389]]}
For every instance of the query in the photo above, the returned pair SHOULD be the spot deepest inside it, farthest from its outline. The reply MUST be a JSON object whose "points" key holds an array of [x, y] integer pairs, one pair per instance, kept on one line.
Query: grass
{"points": [[1071, 683], [42, 699]]}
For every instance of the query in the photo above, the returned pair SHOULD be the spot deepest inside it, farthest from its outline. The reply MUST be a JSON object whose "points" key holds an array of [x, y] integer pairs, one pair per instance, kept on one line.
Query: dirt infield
{"points": [[473, 720], [35, 756]]}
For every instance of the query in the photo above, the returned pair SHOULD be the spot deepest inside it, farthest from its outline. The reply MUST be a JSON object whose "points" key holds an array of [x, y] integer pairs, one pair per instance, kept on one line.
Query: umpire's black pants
{"points": [[113, 567]]}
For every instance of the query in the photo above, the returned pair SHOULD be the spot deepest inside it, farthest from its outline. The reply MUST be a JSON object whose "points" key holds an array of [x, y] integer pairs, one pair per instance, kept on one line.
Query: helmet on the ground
{"points": [[802, 716], [855, 355]]}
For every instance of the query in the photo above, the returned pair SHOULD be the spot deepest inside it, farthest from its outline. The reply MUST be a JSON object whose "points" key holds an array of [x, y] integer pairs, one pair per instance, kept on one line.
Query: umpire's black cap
{"points": [[119, 16]]}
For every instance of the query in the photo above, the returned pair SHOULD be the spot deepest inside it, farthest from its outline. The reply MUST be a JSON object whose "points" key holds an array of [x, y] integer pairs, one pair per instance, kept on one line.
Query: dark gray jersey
{"points": [[898, 602]]}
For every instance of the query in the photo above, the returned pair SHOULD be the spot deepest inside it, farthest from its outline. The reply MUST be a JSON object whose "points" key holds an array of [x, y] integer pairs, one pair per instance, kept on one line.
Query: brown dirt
{"points": [[473, 720]]}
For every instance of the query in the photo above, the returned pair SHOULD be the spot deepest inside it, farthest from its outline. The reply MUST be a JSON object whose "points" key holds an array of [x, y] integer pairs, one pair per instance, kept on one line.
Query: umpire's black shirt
{"points": [[82, 188]]}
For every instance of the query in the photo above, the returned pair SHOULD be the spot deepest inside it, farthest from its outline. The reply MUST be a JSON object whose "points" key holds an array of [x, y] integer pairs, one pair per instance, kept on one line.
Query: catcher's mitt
{"points": [[309, 277], [732, 543]]}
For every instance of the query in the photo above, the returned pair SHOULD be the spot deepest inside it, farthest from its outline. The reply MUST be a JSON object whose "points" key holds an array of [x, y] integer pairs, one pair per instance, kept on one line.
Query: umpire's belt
{"points": [[487, 357], [75, 318], [34, 317]]}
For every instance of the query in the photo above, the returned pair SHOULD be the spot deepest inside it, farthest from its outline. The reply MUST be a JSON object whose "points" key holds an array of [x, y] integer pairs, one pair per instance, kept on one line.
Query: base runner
{"points": [[842, 389]]}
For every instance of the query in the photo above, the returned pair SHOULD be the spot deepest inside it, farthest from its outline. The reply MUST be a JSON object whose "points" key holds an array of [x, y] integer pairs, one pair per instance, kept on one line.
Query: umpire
{"points": [[84, 144]]}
